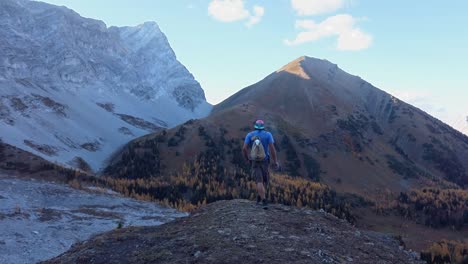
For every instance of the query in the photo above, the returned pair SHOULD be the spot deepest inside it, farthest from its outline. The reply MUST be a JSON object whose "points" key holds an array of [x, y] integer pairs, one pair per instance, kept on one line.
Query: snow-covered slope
{"points": [[71, 87]]}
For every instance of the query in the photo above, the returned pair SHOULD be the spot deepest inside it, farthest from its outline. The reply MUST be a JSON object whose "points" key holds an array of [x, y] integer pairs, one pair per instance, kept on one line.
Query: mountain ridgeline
{"points": [[343, 144], [73, 89], [329, 126]]}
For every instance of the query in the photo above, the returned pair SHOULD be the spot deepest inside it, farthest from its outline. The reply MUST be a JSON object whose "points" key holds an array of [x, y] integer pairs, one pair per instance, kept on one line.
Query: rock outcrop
{"points": [[238, 231], [40, 220]]}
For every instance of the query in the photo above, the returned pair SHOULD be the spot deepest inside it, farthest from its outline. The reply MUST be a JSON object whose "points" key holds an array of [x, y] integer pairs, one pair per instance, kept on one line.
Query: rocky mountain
{"points": [[344, 145], [73, 89], [239, 231], [329, 126]]}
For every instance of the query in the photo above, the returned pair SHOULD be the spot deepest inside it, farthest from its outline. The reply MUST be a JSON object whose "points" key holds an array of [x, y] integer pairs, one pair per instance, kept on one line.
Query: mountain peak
{"points": [[144, 35], [149, 25], [295, 67], [129, 77], [308, 67]]}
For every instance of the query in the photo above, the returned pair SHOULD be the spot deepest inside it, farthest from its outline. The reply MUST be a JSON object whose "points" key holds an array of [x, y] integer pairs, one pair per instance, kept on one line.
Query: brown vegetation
{"points": [[196, 187], [56, 107], [109, 107], [92, 146], [43, 148], [431, 206], [139, 122], [81, 164], [446, 252], [126, 131], [446, 161], [21, 163]]}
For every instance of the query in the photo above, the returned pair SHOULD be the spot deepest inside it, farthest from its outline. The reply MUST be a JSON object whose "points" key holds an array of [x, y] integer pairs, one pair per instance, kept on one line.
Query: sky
{"points": [[415, 50]]}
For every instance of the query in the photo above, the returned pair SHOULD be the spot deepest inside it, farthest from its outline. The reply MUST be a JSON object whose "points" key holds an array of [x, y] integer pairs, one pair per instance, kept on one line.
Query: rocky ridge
{"points": [[95, 87], [238, 231]]}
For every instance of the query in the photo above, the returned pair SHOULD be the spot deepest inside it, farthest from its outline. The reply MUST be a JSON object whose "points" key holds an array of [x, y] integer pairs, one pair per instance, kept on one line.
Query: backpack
{"points": [[257, 152]]}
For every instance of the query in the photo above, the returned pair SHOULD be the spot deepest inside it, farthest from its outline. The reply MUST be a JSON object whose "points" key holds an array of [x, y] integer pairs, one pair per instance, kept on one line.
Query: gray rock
{"points": [[263, 247], [60, 70], [83, 214]]}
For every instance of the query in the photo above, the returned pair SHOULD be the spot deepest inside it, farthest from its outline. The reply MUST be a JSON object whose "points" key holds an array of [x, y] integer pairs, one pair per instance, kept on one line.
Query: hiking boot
{"points": [[264, 204], [258, 199]]}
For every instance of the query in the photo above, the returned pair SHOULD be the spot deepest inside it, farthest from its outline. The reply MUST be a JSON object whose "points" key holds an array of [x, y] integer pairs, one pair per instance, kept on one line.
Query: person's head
{"points": [[259, 124]]}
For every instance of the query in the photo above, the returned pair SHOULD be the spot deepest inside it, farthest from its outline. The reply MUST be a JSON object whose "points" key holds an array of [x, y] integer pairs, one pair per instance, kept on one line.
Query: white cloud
{"points": [[315, 7], [234, 10], [343, 26], [258, 14], [228, 10]]}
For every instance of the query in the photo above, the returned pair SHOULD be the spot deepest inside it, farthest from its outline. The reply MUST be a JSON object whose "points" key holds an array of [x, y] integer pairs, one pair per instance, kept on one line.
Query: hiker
{"points": [[260, 143]]}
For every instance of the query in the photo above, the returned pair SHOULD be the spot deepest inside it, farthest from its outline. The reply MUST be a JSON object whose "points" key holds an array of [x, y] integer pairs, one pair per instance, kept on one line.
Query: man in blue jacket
{"points": [[260, 168]]}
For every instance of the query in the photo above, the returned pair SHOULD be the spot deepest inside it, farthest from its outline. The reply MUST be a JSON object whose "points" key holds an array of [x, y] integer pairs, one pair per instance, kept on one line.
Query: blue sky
{"points": [[416, 50]]}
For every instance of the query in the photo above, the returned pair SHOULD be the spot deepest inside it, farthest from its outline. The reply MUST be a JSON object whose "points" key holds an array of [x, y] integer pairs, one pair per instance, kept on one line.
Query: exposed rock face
{"points": [[154, 70], [239, 231], [57, 70]]}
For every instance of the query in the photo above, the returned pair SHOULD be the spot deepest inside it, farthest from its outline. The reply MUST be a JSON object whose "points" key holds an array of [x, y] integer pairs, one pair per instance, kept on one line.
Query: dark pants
{"points": [[260, 172]]}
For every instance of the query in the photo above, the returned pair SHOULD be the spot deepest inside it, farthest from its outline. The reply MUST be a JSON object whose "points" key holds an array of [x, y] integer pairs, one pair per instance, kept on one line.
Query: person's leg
{"points": [[266, 177], [265, 180], [261, 190], [258, 175]]}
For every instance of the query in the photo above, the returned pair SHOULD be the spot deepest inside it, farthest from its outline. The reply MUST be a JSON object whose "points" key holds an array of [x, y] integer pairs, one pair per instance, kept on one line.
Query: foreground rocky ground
{"points": [[239, 231], [40, 220]]}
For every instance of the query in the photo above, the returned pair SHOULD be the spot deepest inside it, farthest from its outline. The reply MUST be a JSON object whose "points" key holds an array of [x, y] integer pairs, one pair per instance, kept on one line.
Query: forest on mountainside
{"points": [[434, 207], [446, 251], [142, 158], [211, 177], [192, 189], [207, 179]]}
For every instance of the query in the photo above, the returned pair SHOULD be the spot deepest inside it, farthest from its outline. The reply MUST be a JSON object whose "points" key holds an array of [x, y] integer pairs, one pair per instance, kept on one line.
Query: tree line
{"points": [[201, 183], [446, 251], [433, 207]]}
